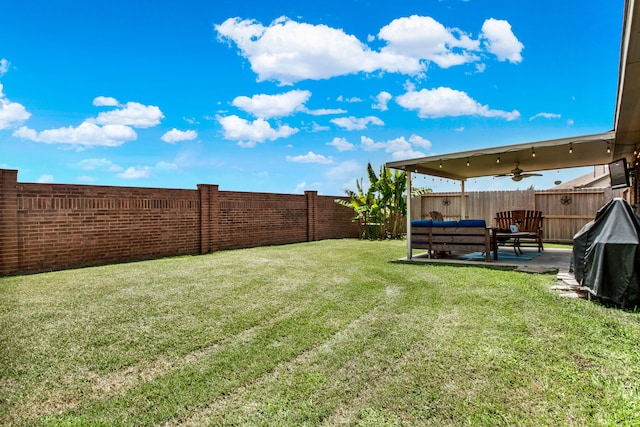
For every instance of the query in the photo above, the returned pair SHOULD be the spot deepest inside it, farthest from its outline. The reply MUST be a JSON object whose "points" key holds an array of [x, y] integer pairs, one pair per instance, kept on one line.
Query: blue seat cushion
{"points": [[422, 223], [472, 223], [445, 223]]}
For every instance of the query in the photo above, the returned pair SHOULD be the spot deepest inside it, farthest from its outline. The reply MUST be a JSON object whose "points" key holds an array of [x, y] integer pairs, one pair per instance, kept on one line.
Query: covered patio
{"points": [[551, 260], [622, 142]]}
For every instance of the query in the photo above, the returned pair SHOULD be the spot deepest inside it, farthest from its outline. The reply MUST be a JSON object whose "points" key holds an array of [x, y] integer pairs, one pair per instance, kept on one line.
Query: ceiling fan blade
{"points": [[527, 175]]}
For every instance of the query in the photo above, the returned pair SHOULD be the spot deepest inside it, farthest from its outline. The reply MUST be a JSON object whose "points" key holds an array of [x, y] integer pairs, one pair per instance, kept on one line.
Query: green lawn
{"points": [[323, 333]]}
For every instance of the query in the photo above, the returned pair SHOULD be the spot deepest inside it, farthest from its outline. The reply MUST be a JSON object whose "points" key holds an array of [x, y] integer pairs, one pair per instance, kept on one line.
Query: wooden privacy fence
{"points": [[565, 211]]}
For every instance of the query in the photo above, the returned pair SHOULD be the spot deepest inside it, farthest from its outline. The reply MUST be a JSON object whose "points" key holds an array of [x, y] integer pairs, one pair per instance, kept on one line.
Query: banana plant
{"points": [[382, 208], [366, 207]]}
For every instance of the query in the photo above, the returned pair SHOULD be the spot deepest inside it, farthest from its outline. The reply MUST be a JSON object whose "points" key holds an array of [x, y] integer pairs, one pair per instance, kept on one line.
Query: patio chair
{"points": [[529, 222], [436, 216]]}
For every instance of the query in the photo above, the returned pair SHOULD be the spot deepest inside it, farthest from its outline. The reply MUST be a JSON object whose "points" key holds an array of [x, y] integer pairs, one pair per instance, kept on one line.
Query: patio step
{"points": [[569, 287]]}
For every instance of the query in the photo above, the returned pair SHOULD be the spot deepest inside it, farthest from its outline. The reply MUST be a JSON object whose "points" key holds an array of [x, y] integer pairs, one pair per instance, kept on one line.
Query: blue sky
{"points": [[285, 96]]}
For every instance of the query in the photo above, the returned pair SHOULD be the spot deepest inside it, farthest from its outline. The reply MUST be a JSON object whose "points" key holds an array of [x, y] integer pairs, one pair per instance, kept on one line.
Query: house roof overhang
{"points": [[588, 150], [627, 116]]}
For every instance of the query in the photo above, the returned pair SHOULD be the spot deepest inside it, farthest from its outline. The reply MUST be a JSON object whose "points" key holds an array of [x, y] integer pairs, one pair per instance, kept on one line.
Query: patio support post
{"points": [[408, 215], [463, 202]]}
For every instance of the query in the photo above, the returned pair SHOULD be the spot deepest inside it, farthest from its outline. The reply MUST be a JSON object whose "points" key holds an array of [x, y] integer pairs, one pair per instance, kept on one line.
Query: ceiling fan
{"points": [[517, 175]]}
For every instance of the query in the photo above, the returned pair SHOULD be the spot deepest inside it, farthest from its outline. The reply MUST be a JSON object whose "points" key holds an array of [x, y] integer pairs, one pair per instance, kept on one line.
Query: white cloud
{"points": [[136, 172], [12, 114], [422, 37], [269, 106], [315, 127], [131, 114], [341, 144], [344, 171], [85, 135], [175, 135], [85, 178], [310, 157], [351, 100], [45, 179], [369, 144], [570, 122], [399, 148], [166, 166], [105, 101], [545, 116], [353, 123], [132, 172], [98, 164], [325, 111], [300, 187], [249, 133], [500, 40], [382, 99], [447, 102], [406, 154], [420, 142], [281, 105], [288, 51], [4, 66]]}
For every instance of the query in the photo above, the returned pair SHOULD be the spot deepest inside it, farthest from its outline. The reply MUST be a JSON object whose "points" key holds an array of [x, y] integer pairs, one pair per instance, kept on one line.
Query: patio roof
{"points": [[588, 150]]}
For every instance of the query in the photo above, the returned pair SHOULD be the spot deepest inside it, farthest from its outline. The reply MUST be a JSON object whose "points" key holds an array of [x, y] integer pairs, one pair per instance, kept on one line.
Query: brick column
{"points": [[312, 215], [9, 253], [209, 211]]}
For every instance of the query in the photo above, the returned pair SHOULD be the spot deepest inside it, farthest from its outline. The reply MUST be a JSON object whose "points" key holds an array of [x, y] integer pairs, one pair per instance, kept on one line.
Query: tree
{"points": [[382, 208]]}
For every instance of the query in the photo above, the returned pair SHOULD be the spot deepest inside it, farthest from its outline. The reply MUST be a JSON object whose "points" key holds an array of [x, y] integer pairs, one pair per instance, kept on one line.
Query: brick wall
{"points": [[261, 219], [57, 226], [334, 221]]}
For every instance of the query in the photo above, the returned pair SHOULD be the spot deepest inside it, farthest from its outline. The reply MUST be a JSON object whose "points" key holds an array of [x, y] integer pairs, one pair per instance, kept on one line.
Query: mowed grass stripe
{"points": [[314, 386]]}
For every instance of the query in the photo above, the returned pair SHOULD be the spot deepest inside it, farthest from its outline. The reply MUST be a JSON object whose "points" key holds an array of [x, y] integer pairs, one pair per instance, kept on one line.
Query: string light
{"points": [[467, 161], [440, 164], [498, 159], [533, 152], [571, 148], [608, 148]]}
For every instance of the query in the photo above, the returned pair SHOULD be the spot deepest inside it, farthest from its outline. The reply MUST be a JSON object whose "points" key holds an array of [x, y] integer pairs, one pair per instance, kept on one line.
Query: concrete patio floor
{"points": [[551, 260]]}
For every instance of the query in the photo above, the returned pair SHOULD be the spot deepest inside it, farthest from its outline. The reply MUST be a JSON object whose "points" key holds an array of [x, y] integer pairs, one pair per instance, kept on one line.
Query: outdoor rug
{"points": [[505, 254]]}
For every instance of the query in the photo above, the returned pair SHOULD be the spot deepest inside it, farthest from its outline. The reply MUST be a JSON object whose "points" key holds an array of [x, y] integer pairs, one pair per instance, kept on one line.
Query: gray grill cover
{"points": [[606, 254]]}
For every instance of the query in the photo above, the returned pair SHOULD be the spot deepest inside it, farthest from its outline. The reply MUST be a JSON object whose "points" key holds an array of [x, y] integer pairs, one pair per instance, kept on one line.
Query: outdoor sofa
{"points": [[466, 235]]}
